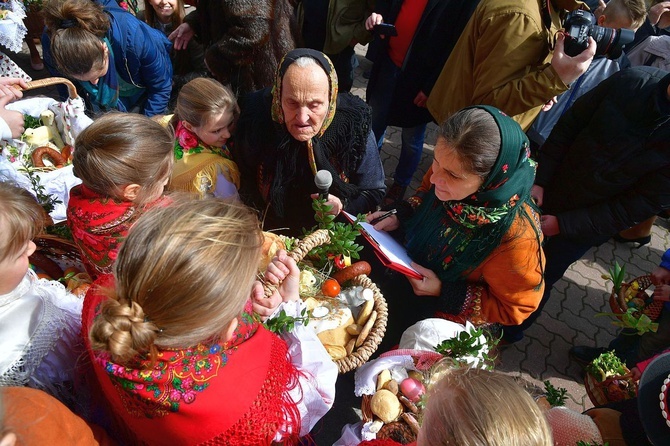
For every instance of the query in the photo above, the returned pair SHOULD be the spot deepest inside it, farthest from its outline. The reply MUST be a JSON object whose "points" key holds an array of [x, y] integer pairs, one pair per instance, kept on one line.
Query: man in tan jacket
{"points": [[506, 57]]}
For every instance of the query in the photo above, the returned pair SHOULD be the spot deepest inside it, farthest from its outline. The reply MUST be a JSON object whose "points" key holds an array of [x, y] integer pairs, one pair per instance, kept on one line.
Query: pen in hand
{"points": [[384, 216]]}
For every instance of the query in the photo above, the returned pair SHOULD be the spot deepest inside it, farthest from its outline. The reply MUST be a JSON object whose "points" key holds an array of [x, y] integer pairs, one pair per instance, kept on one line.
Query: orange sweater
{"points": [[511, 276], [37, 418]]}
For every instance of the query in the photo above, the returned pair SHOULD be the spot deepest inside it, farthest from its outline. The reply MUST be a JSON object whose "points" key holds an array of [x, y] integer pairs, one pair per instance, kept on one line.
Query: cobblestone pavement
{"points": [[568, 319]]}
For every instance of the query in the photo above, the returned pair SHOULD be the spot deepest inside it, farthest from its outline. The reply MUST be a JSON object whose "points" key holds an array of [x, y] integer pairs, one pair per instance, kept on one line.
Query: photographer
{"points": [[510, 55], [615, 16]]}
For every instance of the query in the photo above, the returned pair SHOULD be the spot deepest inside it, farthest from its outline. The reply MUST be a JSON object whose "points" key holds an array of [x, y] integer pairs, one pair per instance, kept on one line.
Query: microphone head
{"points": [[323, 180]]}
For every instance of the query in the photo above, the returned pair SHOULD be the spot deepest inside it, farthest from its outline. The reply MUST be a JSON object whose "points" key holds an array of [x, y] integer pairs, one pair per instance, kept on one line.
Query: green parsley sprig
{"points": [[284, 323]]}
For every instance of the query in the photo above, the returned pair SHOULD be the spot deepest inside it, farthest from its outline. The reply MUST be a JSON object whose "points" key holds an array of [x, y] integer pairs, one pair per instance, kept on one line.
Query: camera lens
{"points": [[610, 42]]}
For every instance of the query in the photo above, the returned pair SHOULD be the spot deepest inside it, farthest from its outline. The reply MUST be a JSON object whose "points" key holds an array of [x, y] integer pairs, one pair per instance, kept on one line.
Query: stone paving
{"points": [[568, 319]]}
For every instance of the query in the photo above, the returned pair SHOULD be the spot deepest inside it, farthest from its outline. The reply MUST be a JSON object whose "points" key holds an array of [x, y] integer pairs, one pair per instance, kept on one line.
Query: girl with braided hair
{"points": [[177, 347]]}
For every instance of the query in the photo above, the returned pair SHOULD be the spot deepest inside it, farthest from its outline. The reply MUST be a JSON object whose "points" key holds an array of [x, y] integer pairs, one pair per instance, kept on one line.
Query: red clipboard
{"points": [[391, 253]]}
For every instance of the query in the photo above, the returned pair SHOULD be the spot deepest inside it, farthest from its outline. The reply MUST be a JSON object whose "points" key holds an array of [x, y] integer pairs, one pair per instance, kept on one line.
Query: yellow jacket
{"points": [[502, 59]]}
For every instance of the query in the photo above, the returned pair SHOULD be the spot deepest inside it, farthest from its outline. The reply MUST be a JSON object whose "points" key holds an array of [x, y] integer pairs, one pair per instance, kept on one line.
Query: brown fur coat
{"points": [[245, 39]]}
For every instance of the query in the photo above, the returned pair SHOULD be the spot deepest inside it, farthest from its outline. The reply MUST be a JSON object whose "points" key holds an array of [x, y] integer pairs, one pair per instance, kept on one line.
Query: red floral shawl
{"points": [[99, 224], [235, 393]]}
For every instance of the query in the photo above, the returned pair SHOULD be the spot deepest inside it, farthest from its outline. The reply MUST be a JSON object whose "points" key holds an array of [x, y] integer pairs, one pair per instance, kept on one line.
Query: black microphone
{"points": [[323, 180]]}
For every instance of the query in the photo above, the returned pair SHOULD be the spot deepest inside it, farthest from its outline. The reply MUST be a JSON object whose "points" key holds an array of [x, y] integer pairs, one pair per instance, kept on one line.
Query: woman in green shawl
{"points": [[472, 228]]}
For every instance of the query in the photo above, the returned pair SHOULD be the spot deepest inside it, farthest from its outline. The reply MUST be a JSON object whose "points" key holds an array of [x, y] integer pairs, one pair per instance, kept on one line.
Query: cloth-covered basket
{"points": [[619, 306], [70, 120], [361, 354]]}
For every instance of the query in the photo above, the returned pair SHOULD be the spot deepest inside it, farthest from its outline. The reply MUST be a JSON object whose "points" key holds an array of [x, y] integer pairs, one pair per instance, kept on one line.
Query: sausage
{"points": [[44, 151], [350, 272], [45, 264], [66, 152]]}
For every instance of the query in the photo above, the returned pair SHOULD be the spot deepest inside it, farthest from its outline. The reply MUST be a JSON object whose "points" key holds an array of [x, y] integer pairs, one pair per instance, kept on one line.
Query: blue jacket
{"points": [[141, 56]]}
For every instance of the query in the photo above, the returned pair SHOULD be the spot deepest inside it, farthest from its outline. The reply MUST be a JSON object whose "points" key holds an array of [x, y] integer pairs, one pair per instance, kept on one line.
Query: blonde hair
{"points": [[201, 99], [182, 276], [633, 10], [119, 149], [475, 407], [76, 29], [176, 19], [21, 219]]}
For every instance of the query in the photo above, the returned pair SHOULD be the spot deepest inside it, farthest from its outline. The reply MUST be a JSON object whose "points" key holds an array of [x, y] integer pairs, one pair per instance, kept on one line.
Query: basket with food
{"points": [[608, 380], [343, 306], [631, 304], [40, 160], [59, 259], [392, 387]]}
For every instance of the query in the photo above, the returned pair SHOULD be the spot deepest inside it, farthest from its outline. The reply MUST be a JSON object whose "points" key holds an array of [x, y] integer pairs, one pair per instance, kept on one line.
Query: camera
{"points": [[579, 25]]}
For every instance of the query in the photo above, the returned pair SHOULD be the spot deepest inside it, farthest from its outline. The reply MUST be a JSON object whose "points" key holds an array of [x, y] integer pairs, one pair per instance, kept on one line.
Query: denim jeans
{"points": [[380, 99]]}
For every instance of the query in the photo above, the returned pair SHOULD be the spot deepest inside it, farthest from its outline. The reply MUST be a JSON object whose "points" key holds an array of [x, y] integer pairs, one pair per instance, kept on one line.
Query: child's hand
{"points": [[662, 293], [284, 270], [263, 306]]}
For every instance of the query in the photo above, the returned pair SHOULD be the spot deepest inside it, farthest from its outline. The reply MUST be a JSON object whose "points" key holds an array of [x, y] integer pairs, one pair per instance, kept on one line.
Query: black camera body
{"points": [[579, 25]]}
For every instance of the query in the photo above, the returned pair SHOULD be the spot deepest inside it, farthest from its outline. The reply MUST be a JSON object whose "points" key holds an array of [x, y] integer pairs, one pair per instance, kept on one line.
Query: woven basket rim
{"points": [[649, 309], [359, 356], [594, 388]]}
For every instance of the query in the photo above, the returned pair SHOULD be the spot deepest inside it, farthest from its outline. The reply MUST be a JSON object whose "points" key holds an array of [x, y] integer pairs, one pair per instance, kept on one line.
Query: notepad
{"points": [[391, 253]]}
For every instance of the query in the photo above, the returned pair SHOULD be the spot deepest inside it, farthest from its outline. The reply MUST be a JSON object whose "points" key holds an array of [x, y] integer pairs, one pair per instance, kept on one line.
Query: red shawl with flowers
{"points": [[214, 394], [99, 224]]}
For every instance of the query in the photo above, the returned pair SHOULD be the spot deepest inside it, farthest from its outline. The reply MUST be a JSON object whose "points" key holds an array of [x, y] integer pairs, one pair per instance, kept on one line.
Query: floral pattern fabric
{"points": [[177, 376]]}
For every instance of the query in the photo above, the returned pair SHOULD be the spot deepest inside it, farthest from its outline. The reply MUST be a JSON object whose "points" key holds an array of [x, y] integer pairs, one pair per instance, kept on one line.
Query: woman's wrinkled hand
{"points": [[281, 271], [430, 285], [334, 202]]}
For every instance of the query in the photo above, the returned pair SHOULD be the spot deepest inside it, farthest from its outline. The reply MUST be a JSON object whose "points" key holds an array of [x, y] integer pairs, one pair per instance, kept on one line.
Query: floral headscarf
{"points": [[325, 63], [454, 237]]}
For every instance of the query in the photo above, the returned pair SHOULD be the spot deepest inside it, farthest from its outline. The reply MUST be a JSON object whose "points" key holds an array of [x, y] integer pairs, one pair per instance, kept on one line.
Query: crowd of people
{"points": [[211, 122]]}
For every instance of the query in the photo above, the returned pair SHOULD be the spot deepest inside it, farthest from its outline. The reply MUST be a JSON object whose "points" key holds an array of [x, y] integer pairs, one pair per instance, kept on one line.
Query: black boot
{"points": [[585, 355]]}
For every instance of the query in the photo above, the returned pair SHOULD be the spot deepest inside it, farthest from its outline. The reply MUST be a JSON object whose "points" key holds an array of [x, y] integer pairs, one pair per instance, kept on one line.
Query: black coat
{"points": [[440, 27], [606, 165]]}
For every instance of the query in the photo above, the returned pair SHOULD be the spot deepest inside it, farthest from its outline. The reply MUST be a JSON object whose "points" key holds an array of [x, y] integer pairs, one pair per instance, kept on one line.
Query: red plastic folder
{"points": [[391, 253]]}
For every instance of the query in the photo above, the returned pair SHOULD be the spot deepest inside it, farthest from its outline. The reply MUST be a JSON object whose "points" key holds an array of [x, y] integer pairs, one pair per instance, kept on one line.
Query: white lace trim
{"points": [[49, 357], [12, 29]]}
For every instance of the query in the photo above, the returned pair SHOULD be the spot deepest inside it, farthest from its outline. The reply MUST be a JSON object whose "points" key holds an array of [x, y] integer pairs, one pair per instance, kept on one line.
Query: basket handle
{"points": [[49, 81], [316, 238]]}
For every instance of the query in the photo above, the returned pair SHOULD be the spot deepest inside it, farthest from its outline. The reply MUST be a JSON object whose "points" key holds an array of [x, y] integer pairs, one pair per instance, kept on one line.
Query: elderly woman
{"points": [[288, 133], [473, 229], [121, 63]]}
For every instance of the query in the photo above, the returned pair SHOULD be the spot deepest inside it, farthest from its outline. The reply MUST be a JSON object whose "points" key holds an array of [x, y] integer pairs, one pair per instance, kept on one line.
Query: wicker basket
{"points": [[618, 304], [54, 254], [600, 393], [359, 356]]}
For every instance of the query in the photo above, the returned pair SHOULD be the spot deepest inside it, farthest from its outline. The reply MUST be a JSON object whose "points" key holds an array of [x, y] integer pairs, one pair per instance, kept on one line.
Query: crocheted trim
{"points": [[663, 397]]}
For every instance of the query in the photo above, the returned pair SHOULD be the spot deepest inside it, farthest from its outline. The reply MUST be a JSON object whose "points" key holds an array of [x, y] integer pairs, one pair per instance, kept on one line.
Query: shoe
{"points": [[585, 355], [641, 241], [395, 194]]}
